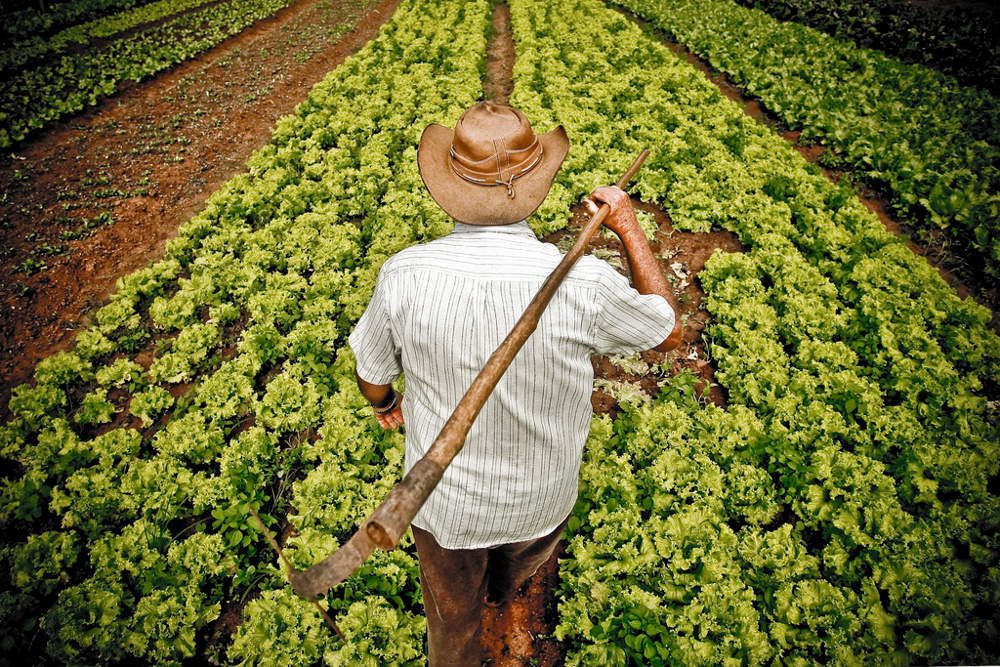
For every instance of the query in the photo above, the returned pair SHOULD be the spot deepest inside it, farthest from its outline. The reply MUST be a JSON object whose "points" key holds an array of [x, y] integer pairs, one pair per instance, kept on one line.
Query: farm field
{"points": [[812, 478], [928, 142], [46, 77]]}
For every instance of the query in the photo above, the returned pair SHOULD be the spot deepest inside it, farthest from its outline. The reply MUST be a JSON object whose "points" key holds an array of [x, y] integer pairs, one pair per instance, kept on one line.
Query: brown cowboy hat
{"points": [[492, 169]]}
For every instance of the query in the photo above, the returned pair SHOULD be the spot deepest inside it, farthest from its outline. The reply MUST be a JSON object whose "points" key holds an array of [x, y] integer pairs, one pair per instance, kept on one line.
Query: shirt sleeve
{"points": [[628, 321], [376, 351]]}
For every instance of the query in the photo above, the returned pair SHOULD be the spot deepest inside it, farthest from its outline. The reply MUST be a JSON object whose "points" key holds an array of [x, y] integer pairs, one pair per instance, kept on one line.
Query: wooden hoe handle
{"points": [[390, 520]]}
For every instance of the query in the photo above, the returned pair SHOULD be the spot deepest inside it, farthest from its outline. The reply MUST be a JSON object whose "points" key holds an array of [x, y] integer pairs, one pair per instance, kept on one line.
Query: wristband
{"points": [[387, 408]]}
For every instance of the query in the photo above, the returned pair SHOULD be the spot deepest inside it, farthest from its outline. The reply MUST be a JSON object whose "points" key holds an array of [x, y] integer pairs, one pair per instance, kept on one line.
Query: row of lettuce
{"points": [[842, 509], [48, 18], [959, 40], [838, 510], [125, 509], [932, 144], [38, 93], [31, 48]]}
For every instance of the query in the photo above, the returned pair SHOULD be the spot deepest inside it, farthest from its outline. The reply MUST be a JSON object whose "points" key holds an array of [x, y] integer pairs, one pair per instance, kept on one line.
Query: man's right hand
{"points": [[647, 276], [621, 219], [382, 394]]}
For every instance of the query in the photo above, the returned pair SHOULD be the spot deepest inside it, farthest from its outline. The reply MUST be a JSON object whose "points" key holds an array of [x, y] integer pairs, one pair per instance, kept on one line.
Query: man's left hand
{"points": [[394, 418]]}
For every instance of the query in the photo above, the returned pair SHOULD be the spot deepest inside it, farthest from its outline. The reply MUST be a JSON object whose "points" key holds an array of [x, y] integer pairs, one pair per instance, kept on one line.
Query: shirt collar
{"points": [[517, 228]]}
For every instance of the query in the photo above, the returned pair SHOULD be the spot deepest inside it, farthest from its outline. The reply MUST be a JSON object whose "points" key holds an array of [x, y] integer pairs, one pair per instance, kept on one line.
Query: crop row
{"points": [[125, 509], [960, 41], [35, 96], [427, 70], [934, 144], [24, 23], [841, 508], [37, 46], [841, 500]]}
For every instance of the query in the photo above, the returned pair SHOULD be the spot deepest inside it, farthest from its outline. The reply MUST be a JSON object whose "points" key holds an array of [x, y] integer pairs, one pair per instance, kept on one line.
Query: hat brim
{"points": [[486, 204]]}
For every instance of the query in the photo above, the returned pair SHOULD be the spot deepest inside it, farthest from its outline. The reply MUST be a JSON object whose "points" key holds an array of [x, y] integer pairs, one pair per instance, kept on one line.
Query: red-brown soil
{"points": [[148, 156], [499, 83], [516, 634]]}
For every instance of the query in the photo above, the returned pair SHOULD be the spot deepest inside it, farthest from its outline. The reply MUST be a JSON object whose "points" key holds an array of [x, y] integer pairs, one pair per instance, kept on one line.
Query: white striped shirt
{"points": [[438, 312]]}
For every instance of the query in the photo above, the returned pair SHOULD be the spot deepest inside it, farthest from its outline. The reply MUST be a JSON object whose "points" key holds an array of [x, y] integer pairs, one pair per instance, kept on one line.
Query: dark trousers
{"points": [[455, 581]]}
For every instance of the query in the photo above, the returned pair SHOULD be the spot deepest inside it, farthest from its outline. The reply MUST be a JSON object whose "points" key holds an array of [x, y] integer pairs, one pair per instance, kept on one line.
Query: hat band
{"points": [[467, 169]]}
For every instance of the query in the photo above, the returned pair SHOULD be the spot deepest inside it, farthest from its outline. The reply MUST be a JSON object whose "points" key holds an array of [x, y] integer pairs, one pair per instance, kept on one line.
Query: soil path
{"points": [[515, 634], [99, 195], [499, 83]]}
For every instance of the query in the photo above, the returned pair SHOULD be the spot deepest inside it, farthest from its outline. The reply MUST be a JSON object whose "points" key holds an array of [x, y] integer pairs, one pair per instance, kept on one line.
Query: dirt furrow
{"points": [[98, 196], [516, 634]]}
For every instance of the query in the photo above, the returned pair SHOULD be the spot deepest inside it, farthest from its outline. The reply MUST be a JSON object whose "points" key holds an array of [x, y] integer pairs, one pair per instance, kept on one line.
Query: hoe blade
{"points": [[332, 570]]}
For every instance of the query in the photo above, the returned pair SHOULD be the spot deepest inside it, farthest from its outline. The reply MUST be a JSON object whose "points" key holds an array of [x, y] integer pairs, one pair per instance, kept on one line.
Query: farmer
{"points": [[440, 309]]}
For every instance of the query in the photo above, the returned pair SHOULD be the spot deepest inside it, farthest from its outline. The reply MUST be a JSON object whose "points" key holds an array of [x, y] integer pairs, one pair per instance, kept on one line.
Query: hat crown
{"points": [[494, 144], [486, 123]]}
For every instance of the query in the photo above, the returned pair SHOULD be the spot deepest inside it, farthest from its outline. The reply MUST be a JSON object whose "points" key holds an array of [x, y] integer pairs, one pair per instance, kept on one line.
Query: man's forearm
{"points": [[378, 395], [648, 278]]}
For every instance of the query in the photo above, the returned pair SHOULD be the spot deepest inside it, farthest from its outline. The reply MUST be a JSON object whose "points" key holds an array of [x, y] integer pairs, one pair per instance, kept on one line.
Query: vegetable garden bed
{"points": [[41, 85], [839, 506], [929, 142]]}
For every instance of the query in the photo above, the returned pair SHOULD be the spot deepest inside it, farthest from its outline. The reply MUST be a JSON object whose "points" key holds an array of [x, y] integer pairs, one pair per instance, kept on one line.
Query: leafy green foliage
{"points": [[38, 46], [149, 403], [95, 409], [655, 575], [41, 565], [33, 21], [858, 447], [380, 634], [930, 142], [186, 354], [291, 402], [279, 628], [34, 96], [34, 404], [145, 598], [121, 373], [960, 41]]}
